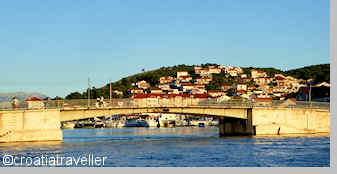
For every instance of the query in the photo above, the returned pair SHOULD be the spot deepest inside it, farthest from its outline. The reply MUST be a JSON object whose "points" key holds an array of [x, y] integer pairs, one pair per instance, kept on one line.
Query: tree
{"points": [[251, 83], [318, 73], [57, 98], [93, 93], [74, 95], [230, 92], [291, 95]]}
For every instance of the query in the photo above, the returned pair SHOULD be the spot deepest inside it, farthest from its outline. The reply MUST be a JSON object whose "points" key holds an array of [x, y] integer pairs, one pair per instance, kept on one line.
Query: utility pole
{"points": [[111, 96], [88, 89], [310, 94]]}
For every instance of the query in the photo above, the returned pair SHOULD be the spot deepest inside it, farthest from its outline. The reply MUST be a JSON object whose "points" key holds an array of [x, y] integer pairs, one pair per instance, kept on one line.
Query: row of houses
{"points": [[257, 84]]}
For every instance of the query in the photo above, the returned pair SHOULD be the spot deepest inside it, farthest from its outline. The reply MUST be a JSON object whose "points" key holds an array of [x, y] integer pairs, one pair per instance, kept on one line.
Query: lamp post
{"points": [[309, 86], [111, 96], [88, 90]]}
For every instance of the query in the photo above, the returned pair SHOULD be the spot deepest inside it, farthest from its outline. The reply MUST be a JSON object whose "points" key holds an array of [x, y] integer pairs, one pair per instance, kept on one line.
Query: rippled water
{"points": [[179, 147]]}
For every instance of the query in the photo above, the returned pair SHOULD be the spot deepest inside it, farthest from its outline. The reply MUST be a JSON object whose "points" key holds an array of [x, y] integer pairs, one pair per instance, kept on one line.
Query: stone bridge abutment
{"points": [[44, 124]]}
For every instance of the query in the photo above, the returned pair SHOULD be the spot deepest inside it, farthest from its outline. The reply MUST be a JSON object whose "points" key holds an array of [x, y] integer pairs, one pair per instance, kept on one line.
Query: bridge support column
{"points": [[234, 126], [30, 125], [222, 126]]}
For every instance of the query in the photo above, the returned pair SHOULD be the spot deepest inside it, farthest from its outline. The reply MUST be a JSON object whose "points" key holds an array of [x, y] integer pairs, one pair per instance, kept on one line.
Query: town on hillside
{"points": [[229, 82]]}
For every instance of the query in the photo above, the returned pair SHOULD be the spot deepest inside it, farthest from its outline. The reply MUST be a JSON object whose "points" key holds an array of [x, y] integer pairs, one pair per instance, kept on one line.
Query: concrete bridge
{"points": [[218, 111], [235, 118]]}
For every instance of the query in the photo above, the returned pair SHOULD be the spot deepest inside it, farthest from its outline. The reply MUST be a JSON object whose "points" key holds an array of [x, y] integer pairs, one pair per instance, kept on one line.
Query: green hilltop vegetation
{"points": [[318, 73]]}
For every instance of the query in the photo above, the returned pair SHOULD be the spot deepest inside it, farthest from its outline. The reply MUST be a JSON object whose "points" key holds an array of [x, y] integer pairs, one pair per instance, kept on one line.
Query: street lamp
{"points": [[88, 90]]}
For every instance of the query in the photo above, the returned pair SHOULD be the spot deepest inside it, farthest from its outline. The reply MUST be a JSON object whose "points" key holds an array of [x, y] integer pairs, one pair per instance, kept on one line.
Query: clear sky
{"points": [[49, 46]]}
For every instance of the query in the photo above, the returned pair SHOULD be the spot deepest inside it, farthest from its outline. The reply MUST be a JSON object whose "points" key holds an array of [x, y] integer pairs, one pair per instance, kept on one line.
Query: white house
{"points": [[241, 86], [258, 73], [182, 73]]}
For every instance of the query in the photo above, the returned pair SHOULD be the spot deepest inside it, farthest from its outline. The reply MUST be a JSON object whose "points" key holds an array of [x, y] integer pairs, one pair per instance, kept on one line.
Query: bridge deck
{"points": [[81, 113]]}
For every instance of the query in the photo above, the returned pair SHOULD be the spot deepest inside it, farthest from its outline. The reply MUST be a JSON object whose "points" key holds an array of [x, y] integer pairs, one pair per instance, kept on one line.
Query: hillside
{"points": [[5, 97], [318, 73], [125, 83]]}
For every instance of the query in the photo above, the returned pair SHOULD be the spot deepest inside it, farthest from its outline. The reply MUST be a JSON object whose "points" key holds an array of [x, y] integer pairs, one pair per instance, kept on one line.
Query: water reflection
{"points": [[16, 146], [182, 147]]}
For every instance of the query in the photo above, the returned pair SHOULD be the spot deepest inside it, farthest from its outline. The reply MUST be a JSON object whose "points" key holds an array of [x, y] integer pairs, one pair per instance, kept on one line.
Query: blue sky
{"points": [[50, 46]]}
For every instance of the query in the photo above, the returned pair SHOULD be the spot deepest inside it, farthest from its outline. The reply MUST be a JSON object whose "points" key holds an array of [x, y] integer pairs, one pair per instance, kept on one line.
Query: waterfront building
{"points": [[33, 103], [215, 93]]}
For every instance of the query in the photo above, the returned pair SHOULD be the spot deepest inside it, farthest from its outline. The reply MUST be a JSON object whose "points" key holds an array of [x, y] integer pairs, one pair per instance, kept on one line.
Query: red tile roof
{"points": [[148, 95], [185, 77], [201, 95], [156, 89], [32, 99], [279, 78], [136, 89], [185, 95], [213, 91], [187, 84], [262, 99]]}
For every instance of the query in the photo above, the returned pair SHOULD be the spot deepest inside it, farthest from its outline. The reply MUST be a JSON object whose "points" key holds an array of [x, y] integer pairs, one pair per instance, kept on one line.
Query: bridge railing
{"points": [[272, 103], [44, 104], [158, 102]]}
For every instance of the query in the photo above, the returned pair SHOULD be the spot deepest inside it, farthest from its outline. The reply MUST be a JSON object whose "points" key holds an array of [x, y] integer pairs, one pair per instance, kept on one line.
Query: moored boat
{"points": [[67, 125]]}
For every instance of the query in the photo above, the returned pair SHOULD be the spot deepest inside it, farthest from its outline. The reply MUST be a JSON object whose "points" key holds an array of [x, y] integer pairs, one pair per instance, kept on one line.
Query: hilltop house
{"points": [[241, 92], [165, 79], [164, 86], [280, 80], [184, 79], [182, 73], [261, 81], [198, 91], [214, 70], [203, 80], [241, 86], [243, 76], [143, 84], [257, 73], [215, 93], [136, 90], [233, 72], [156, 91], [187, 87], [226, 87], [203, 72]]}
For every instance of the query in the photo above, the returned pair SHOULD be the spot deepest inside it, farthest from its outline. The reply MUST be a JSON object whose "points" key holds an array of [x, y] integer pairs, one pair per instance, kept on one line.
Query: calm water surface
{"points": [[180, 147]]}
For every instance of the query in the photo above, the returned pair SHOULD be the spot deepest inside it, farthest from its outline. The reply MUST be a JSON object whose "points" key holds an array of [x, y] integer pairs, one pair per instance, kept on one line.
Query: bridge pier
{"points": [[30, 125], [235, 127]]}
